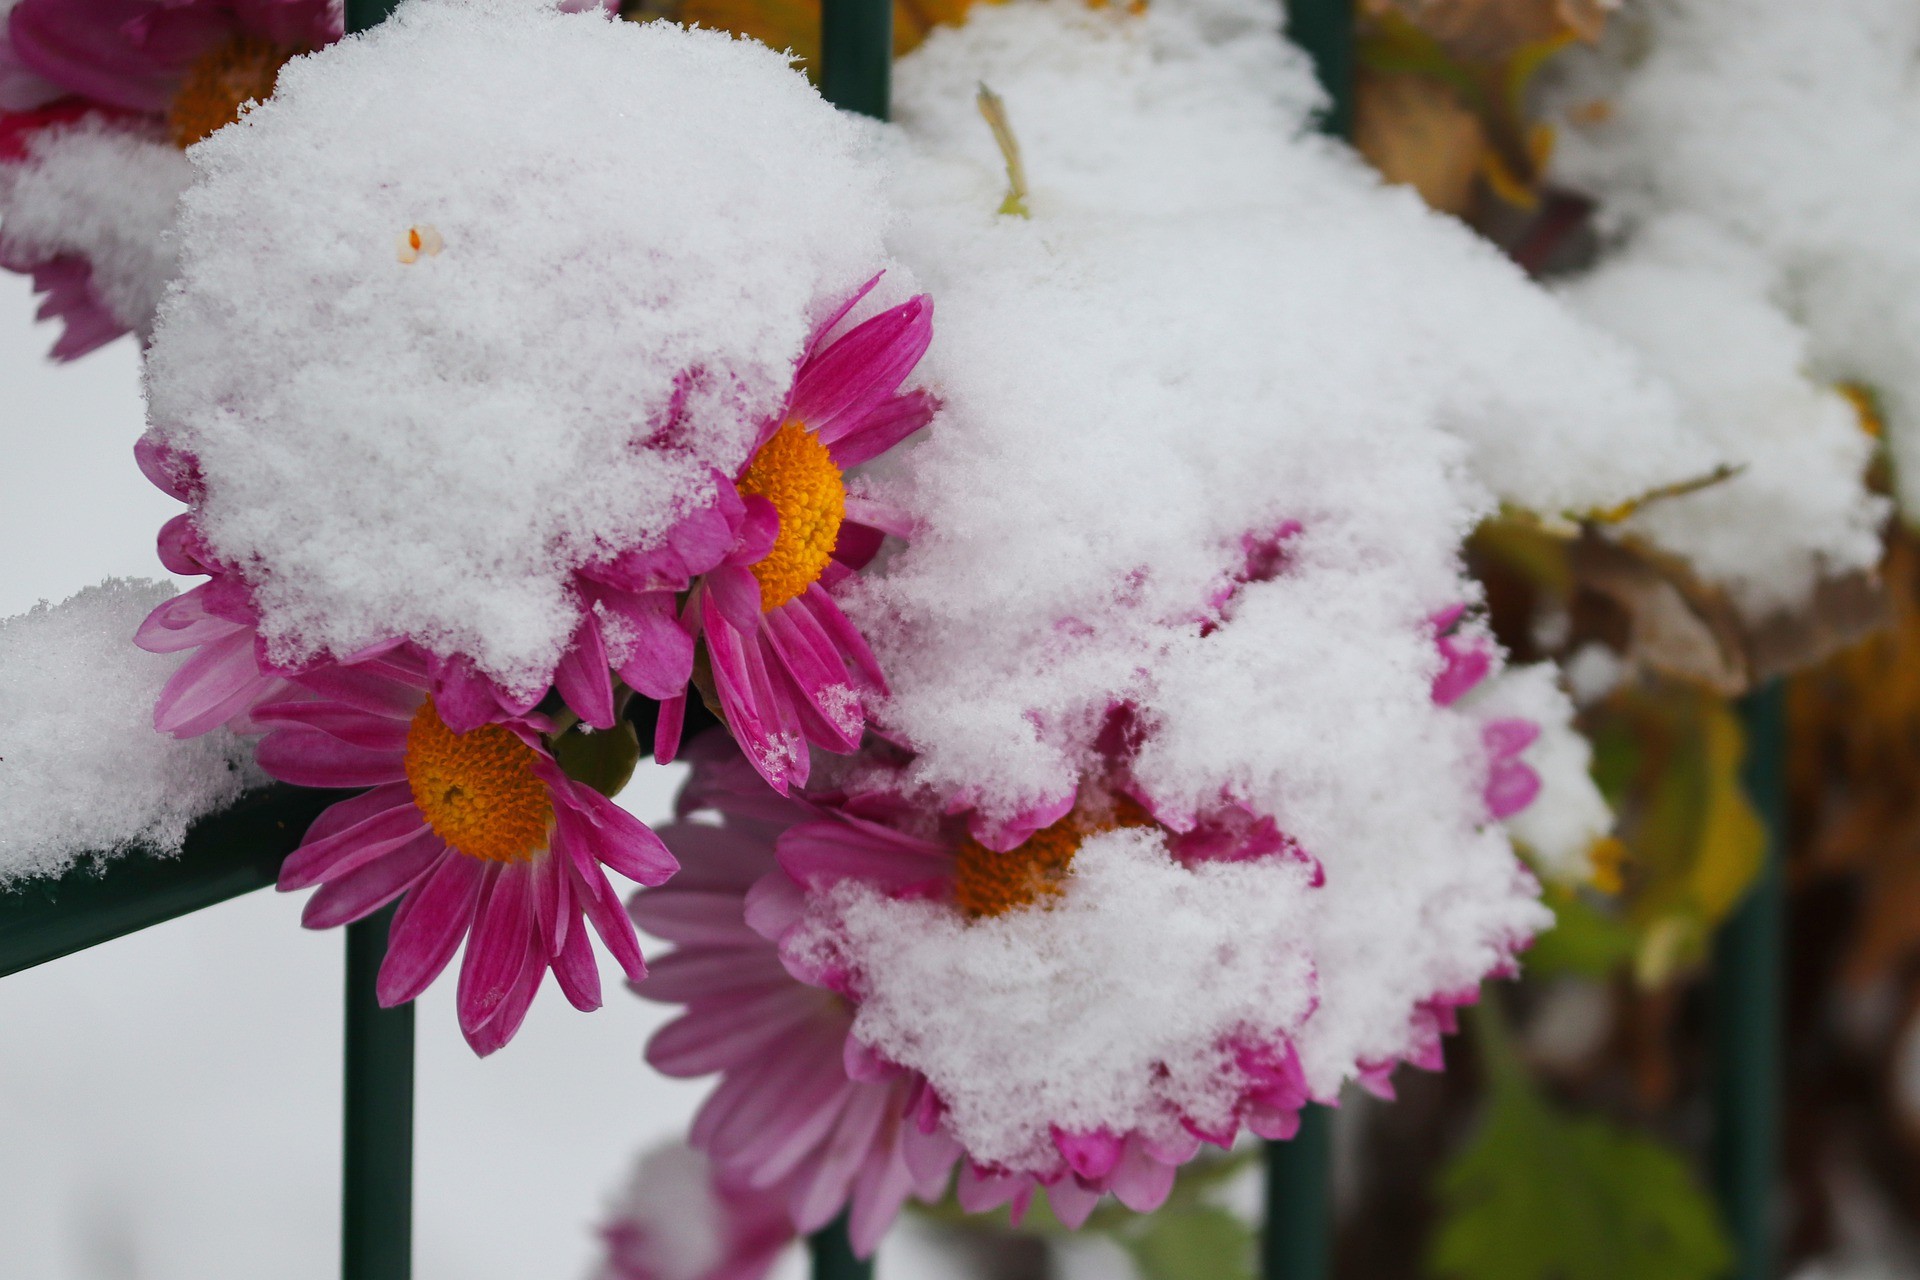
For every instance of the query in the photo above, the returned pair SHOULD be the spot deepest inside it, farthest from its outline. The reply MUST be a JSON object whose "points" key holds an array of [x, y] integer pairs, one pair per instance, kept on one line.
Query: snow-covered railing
{"points": [[242, 848]]}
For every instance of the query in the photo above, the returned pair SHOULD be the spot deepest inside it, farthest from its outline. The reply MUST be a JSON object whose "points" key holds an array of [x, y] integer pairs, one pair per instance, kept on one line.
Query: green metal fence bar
{"points": [[856, 74], [1746, 990], [1297, 1240], [229, 854], [376, 1184]]}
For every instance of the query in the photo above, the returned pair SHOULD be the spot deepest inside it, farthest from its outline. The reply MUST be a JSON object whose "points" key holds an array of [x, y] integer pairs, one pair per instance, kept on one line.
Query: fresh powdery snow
{"points": [[1795, 129], [104, 193], [625, 233], [1700, 305], [1216, 418], [1088, 1014], [82, 770]]}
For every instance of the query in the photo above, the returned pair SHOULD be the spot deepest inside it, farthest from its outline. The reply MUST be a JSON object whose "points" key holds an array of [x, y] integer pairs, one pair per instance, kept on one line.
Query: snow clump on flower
{"points": [[423, 392], [83, 772], [1759, 160]]}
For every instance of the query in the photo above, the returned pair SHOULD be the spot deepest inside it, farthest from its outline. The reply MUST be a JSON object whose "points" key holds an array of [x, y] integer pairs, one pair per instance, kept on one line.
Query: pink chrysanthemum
{"points": [[682, 1220], [483, 836], [169, 71], [736, 913], [801, 1111], [788, 669]]}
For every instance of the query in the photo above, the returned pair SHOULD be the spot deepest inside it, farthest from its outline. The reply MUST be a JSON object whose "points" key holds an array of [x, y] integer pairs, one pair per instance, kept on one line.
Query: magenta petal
{"points": [[354, 810], [1509, 736], [428, 928], [841, 384], [377, 692], [496, 945], [1091, 1155], [582, 676], [501, 1027], [844, 635], [1511, 787], [656, 651], [210, 688], [734, 593], [601, 904], [348, 724], [335, 855], [885, 426], [366, 889], [310, 758], [621, 841], [577, 973], [668, 728]]}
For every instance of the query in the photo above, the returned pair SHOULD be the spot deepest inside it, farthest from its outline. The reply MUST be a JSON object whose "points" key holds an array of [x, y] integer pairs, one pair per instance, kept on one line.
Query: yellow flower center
{"points": [[477, 790], [241, 70], [796, 474], [987, 883]]}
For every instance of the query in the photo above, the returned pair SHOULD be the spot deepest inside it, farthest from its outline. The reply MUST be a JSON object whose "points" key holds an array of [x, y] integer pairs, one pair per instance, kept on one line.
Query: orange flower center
{"points": [[241, 70], [987, 883], [796, 474], [477, 790]]}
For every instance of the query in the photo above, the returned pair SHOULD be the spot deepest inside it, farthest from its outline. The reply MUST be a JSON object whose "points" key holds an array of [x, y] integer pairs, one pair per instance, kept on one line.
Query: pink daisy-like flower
{"points": [[165, 72], [788, 669], [483, 836], [802, 1112], [734, 913], [681, 1220]]}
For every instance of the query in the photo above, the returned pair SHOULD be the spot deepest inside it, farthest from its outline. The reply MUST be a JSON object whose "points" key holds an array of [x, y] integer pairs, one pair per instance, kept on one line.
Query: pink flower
{"points": [[168, 71], [779, 1120], [681, 1220], [789, 670], [483, 836], [801, 1112]]}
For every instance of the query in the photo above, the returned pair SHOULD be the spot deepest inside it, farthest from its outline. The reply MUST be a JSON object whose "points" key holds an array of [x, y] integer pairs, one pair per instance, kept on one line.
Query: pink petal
{"points": [[428, 928], [365, 890], [310, 758], [582, 676]]}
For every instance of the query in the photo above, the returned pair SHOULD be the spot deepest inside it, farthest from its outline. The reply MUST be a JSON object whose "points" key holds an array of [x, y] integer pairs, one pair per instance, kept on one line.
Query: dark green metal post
{"points": [[1324, 28], [833, 1256], [362, 14], [376, 1201], [376, 1182], [856, 74], [1747, 985], [1297, 1242], [856, 55]]}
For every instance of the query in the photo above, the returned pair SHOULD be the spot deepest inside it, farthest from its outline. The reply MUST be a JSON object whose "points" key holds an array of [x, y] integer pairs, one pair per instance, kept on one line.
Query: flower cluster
{"points": [[487, 814]]}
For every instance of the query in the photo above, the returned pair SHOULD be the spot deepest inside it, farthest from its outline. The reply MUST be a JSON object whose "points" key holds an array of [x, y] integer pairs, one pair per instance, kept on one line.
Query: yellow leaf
{"points": [[1732, 838]]}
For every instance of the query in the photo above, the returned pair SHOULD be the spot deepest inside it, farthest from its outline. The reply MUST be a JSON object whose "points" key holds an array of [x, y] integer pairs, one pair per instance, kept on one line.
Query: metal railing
{"points": [[241, 849]]}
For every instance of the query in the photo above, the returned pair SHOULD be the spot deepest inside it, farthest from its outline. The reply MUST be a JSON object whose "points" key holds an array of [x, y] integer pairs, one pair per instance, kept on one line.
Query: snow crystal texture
{"points": [[1795, 129], [636, 226], [82, 770], [105, 193], [1220, 340]]}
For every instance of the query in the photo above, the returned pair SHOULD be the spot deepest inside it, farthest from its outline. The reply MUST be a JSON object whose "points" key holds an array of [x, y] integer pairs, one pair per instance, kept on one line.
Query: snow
{"points": [[671, 1201], [83, 774], [431, 448], [1115, 1009], [1794, 129], [1218, 327], [103, 192], [1699, 304]]}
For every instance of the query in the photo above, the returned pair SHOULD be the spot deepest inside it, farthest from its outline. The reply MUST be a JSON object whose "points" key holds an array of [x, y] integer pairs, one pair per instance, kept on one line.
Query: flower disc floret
{"points": [[241, 70], [478, 790], [795, 472]]}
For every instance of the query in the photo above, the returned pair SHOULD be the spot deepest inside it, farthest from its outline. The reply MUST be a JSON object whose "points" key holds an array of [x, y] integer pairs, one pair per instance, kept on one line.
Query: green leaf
{"points": [[604, 760], [1201, 1242], [1540, 1195], [1585, 940]]}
